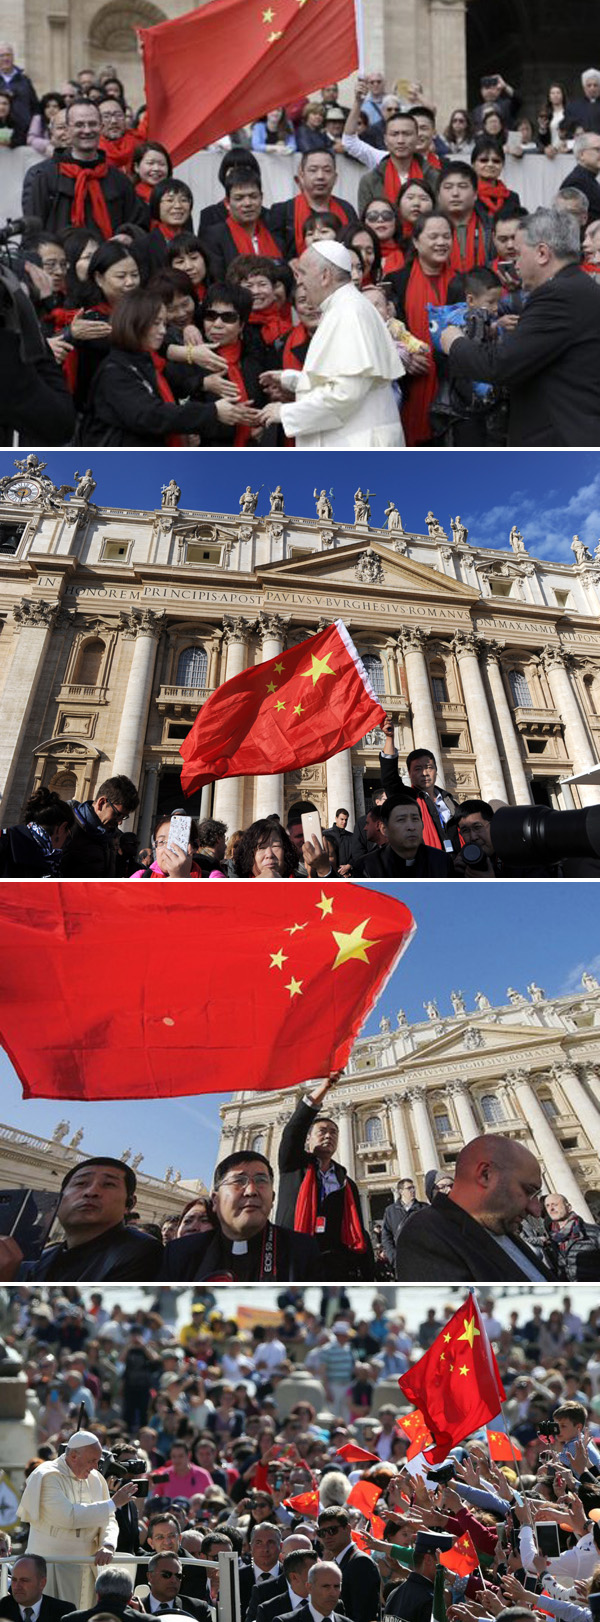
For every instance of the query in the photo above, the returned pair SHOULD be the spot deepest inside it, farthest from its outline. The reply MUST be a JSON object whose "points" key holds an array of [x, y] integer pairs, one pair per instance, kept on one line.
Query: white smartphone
{"points": [[179, 833], [311, 826]]}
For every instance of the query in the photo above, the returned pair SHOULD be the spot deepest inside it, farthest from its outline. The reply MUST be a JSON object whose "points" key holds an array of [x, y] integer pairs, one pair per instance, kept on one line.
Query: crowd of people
{"points": [[484, 1218], [442, 312], [290, 1448], [413, 829]]}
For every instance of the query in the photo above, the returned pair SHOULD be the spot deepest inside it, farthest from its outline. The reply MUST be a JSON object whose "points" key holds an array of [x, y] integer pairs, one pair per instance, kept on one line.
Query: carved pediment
{"points": [[472, 1036], [397, 574]]}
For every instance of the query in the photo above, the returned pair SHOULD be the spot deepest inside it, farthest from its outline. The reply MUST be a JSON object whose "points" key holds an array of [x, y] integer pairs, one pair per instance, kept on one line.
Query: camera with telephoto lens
{"points": [[532, 833], [112, 1464], [473, 856]]}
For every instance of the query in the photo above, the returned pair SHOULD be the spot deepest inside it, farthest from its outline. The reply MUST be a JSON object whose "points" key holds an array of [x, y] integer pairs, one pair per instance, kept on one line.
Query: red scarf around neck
{"points": [[421, 291], [392, 184], [167, 231], [303, 209], [305, 1215], [232, 353], [120, 152], [493, 194], [144, 190], [88, 189], [274, 322], [244, 240], [298, 338], [430, 833], [475, 253], [392, 257], [166, 393]]}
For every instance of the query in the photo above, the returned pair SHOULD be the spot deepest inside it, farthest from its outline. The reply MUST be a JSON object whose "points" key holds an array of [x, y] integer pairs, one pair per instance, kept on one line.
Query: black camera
{"points": [[473, 856], [528, 834], [113, 1464], [549, 1429]]}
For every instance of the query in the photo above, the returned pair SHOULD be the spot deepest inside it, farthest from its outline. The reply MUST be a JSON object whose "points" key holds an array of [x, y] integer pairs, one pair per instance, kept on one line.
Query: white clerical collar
{"points": [[239, 1247]]}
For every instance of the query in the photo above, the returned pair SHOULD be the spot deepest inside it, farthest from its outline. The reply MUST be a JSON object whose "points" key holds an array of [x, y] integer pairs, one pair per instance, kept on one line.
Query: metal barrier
{"points": [[227, 1565]]}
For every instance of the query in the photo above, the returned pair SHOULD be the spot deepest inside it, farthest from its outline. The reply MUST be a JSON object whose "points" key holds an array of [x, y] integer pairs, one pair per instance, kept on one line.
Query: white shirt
{"points": [[35, 1609], [158, 1605], [295, 1599], [270, 1355], [259, 1575], [317, 1616]]}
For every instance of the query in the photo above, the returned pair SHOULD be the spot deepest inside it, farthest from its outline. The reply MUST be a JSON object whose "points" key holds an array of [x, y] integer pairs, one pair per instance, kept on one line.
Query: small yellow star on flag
{"points": [[298, 709], [325, 905], [470, 1331], [279, 669], [272, 37], [353, 945], [463, 1369], [294, 987], [268, 16], [442, 1357], [272, 687], [319, 667], [277, 959], [280, 705], [447, 1338], [291, 930]]}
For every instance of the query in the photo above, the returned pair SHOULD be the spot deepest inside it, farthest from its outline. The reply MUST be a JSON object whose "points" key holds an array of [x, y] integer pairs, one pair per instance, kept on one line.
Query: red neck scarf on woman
{"points": [[244, 240], [302, 210], [166, 231], [299, 338], [305, 1215], [474, 253], [274, 322], [88, 189], [392, 257], [164, 390], [232, 353], [493, 194], [392, 184], [144, 190], [421, 291]]}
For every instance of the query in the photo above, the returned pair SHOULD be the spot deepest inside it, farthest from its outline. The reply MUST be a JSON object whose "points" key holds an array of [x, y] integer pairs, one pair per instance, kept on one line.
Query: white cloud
{"points": [[548, 529], [572, 981]]}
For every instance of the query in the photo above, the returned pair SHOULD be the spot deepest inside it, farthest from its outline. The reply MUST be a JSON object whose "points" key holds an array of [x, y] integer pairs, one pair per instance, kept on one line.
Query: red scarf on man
{"points": [[302, 211], [493, 194], [88, 189], [274, 322], [430, 833], [392, 183], [421, 291], [166, 393], [475, 251], [305, 1215], [120, 153], [232, 353], [392, 257], [244, 240]]}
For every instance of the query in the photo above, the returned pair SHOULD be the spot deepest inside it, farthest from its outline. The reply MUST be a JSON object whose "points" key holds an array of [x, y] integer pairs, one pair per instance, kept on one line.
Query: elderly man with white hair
{"points": [[585, 110], [343, 396], [72, 1515]]}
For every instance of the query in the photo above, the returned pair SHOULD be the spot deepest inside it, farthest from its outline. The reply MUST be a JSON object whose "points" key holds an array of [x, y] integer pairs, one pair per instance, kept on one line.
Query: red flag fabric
{"points": [[419, 1433], [502, 1450], [377, 1526], [364, 1496], [218, 67], [456, 1384], [305, 1503], [357, 1455], [296, 710], [462, 1558], [203, 995]]}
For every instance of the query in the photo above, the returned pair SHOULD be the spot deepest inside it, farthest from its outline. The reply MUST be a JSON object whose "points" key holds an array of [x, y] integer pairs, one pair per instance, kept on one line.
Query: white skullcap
{"points": [[83, 1439], [335, 253]]}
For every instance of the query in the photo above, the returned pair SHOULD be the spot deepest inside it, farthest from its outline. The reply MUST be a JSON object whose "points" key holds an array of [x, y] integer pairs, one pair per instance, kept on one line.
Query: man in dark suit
{"points": [[245, 1245], [114, 1588], [585, 110], [164, 1577], [413, 1599], [396, 1214], [264, 1569], [550, 366], [315, 1188], [360, 1589], [586, 151], [473, 1232], [26, 1601], [324, 1588], [292, 1587]]}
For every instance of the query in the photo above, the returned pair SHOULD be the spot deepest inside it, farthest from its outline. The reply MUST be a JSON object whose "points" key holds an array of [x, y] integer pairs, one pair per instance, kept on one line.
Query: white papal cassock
{"points": [[68, 1517], [344, 394]]}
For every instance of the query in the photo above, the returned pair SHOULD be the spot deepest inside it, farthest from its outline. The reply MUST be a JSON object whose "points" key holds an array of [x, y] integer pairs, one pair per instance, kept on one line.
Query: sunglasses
{"points": [[229, 316]]}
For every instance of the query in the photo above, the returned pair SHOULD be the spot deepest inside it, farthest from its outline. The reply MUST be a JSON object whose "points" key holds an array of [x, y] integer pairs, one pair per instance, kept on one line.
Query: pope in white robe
{"points": [[71, 1513], [343, 395]]}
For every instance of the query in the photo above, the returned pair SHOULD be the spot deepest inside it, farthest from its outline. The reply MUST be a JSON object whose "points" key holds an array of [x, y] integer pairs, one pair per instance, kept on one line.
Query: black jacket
{"points": [[127, 1519], [394, 1218], [586, 182], [51, 1610], [274, 1591], [294, 1160], [50, 195], [124, 1613], [391, 780], [90, 853], [125, 407], [222, 249], [122, 1253], [184, 1602], [303, 1613], [429, 863], [21, 855], [361, 1589], [584, 112], [280, 220], [550, 365], [24, 101], [411, 1600], [34, 401], [578, 1257], [445, 1243], [209, 1256]]}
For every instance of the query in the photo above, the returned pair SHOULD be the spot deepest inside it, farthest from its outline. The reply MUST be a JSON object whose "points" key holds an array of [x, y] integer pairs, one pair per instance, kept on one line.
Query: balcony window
{"points": [[192, 666], [374, 669], [440, 690], [519, 687], [374, 1130], [491, 1109]]}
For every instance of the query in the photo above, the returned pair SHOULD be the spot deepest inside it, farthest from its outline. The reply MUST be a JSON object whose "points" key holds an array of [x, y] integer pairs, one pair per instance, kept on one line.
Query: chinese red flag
{"points": [[203, 995], [456, 1384], [364, 1496], [357, 1455], [220, 66], [296, 710], [462, 1558], [305, 1503], [502, 1450], [419, 1433]]}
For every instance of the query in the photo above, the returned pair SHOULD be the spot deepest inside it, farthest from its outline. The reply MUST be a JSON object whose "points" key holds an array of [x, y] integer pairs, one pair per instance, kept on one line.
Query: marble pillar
{"points": [[148, 805], [518, 782], [145, 631], [428, 1150], [489, 767], [402, 1141], [425, 733], [269, 789], [583, 1106], [556, 665], [341, 1113], [35, 621], [467, 1119], [229, 791], [556, 1171], [340, 786]]}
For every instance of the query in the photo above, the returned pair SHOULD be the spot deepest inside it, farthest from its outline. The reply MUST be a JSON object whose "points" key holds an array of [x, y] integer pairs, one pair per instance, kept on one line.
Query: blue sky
{"points": [[549, 497], [470, 937]]}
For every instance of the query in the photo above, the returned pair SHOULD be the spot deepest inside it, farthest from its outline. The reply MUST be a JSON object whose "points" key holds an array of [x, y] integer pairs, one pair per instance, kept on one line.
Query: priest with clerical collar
{"points": [[244, 1244], [71, 1514]]}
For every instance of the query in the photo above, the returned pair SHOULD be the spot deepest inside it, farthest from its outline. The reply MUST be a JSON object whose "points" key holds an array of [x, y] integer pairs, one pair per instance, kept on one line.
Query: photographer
{"points": [[477, 859], [35, 402]]}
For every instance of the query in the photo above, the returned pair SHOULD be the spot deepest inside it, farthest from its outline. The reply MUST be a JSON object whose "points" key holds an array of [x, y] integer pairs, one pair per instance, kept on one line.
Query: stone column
{"points": [[34, 622], [340, 785], [269, 790], [556, 664], [389, 656], [584, 1107], [489, 767], [556, 1170], [514, 763], [148, 804], [145, 629], [402, 1141], [447, 30], [428, 1151], [214, 649], [411, 642], [467, 1120], [205, 799], [359, 792], [342, 1113], [229, 791], [592, 1077]]}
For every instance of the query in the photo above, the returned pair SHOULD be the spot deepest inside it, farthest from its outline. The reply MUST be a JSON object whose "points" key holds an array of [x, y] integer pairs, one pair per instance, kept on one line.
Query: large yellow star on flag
{"points": [[470, 1330], [353, 945], [278, 959], [319, 667], [294, 987], [325, 905]]}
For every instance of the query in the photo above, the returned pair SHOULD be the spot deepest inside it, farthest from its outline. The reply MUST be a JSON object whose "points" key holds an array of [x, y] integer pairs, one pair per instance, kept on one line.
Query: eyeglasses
{"points": [[228, 316], [120, 815], [238, 1184]]}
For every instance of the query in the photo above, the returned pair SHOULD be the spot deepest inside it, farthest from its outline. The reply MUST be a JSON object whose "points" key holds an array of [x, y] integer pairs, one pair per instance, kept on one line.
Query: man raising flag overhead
{"points": [[217, 68], [457, 1383], [298, 709]]}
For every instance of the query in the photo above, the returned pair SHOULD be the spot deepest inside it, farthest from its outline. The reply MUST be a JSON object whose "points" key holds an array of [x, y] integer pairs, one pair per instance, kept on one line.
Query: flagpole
{"points": [[516, 1461]]}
